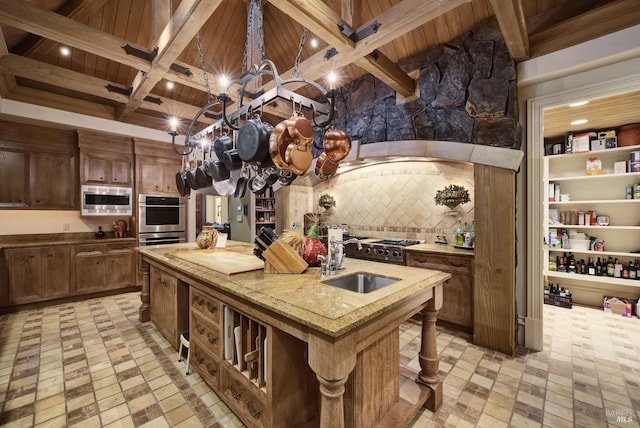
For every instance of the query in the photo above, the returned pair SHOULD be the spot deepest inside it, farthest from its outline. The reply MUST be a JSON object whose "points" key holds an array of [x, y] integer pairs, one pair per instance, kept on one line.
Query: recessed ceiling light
{"points": [[579, 122], [578, 104], [65, 51], [170, 84], [314, 42]]}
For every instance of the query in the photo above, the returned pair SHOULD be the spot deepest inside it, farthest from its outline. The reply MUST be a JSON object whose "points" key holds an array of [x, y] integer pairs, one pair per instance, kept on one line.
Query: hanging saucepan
{"points": [[258, 184], [218, 170], [278, 142], [231, 159], [225, 187], [253, 140], [337, 144], [325, 167], [298, 157], [202, 178], [191, 179], [181, 181], [222, 144], [300, 129]]}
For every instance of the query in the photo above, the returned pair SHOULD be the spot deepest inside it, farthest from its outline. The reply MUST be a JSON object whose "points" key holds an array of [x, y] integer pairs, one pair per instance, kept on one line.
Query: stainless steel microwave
{"points": [[106, 200]]}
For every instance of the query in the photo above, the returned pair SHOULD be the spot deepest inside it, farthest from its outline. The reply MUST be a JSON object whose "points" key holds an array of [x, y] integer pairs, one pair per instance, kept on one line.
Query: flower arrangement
{"points": [[326, 201], [452, 196]]}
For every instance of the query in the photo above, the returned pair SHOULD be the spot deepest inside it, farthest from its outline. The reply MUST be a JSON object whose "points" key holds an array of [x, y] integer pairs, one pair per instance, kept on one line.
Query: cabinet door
{"points": [[56, 272], [13, 175], [94, 169], [52, 182], [169, 178], [25, 275], [121, 171], [151, 178], [120, 265], [90, 268]]}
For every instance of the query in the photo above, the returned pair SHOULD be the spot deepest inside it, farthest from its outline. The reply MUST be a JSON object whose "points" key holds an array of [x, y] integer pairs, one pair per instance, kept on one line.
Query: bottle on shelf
{"points": [[591, 268], [610, 267], [459, 234], [599, 268]]}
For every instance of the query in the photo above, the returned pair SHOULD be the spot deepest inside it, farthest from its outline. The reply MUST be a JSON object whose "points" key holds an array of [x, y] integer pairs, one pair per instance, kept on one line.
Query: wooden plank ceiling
{"points": [[33, 69]]}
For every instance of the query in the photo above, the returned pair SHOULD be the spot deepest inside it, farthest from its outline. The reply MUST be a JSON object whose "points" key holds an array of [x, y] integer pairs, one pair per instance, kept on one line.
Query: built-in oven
{"points": [[161, 220]]}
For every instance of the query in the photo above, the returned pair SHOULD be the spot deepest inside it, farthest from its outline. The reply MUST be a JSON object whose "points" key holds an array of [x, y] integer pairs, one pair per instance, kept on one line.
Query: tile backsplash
{"points": [[393, 199]]}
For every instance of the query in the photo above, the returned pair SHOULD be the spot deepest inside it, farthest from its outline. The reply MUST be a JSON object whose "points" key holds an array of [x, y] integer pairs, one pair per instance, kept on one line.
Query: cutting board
{"points": [[221, 260]]}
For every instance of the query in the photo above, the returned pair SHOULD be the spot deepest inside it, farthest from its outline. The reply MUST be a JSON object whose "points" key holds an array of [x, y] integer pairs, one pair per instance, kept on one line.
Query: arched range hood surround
{"points": [[428, 150]]}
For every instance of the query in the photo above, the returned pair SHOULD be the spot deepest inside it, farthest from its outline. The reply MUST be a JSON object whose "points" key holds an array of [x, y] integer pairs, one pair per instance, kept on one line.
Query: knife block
{"points": [[282, 258]]}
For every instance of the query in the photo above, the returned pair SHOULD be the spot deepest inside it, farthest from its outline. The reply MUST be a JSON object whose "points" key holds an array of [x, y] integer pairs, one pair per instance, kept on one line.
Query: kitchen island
{"points": [[289, 350]]}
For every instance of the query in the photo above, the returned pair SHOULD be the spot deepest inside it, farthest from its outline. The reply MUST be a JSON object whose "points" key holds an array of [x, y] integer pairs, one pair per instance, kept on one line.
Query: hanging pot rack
{"points": [[322, 114]]}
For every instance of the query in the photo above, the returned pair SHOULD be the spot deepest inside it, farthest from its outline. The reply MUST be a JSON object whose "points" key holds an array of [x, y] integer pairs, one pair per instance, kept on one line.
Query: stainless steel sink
{"points": [[361, 282]]}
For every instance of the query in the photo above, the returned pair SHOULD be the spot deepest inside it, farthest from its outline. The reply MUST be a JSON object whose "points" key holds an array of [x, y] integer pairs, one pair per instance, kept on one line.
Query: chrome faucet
{"points": [[339, 264]]}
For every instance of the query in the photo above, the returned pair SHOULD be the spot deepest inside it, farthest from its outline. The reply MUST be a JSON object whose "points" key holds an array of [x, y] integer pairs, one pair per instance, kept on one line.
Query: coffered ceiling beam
{"points": [[186, 22], [611, 17], [30, 18], [513, 25], [7, 80], [75, 81], [351, 12], [78, 10], [322, 21]]}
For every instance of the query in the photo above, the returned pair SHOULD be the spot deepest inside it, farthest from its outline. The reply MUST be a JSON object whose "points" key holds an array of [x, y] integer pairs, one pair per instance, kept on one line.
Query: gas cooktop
{"points": [[384, 250]]}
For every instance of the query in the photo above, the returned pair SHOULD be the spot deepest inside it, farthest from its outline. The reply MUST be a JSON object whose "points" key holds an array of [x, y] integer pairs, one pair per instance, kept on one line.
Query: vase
{"points": [[208, 237]]}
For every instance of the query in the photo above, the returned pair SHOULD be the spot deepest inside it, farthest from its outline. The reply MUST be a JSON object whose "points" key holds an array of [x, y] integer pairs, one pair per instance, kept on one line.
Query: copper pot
{"points": [[300, 130], [299, 158], [325, 167], [337, 144], [278, 142]]}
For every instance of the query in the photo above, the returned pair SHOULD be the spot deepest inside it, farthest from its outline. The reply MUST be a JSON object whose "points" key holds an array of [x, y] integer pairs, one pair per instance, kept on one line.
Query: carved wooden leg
{"points": [[428, 356], [144, 313], [331, 402]]}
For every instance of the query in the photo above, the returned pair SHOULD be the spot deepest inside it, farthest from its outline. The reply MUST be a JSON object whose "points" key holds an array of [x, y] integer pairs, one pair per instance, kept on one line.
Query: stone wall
{"points": [[467, 94]]}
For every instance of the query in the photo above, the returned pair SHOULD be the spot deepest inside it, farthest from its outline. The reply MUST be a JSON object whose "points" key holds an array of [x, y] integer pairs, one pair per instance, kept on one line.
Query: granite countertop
{"points": [[444, 249], [54, 239], [303, 297]]}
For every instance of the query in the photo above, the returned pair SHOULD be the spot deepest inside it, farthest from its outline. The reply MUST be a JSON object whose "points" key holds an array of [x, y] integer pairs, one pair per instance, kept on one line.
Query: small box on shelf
{"points": [[618, 306]]}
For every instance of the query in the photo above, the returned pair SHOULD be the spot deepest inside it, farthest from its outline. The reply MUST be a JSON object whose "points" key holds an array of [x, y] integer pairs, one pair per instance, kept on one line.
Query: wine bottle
{"points": [[591, 268]]}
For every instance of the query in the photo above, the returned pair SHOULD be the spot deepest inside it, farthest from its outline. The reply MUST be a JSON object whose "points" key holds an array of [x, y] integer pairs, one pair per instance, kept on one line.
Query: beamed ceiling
{"points": [[33, 70]]}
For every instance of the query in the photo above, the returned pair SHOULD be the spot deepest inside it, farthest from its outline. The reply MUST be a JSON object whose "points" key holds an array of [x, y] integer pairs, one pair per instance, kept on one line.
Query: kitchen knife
{"points": [[270, 233], [258, 253]]}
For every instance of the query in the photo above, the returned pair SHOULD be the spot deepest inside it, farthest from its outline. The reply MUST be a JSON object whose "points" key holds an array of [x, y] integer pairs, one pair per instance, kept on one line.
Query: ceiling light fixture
{"points": [[579, 122], [579, 103], [170, 84], [65, 51], [314, 42]]}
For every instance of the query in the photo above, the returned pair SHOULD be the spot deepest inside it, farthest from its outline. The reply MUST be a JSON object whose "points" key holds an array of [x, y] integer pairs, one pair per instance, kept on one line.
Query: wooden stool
{"points": [[184, 342]]}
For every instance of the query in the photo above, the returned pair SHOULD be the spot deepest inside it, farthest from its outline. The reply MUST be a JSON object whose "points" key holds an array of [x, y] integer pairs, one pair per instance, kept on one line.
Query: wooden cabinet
{"points": [[169, 305], [457, 298], [14, 169], [119, 265], [261, 373], [101, 267], [39, 273], [90, 268], [105, 159], [106, 169], [156, 167], [155, 176], [37, 167], [52, 181]]}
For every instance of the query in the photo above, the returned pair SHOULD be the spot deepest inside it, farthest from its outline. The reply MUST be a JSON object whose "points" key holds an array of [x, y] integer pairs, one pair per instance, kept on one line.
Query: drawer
{"points": [[245, 399], [207, 332], [205, 364], [125, 247], [211, 308], [445, 263], [90, 250]]}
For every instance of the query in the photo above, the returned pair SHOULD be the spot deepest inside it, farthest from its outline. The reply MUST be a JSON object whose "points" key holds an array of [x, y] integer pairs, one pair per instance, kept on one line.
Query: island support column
{"points": [[144, 313], [428, 356], [332, 363]]}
